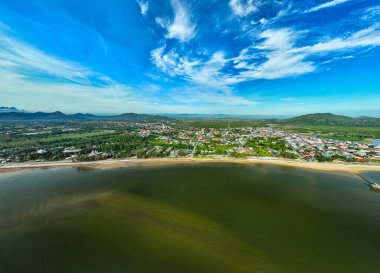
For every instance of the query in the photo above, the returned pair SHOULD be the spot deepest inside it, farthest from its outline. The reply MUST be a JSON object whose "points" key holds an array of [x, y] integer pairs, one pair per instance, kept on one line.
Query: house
{"points": [[41, 152], [94, 153], [361, 153], [362, 146], [71, 150]]}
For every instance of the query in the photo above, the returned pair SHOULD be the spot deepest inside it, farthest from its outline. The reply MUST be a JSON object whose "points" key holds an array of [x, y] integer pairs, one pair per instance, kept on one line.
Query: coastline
{"points": [[128, 162]]}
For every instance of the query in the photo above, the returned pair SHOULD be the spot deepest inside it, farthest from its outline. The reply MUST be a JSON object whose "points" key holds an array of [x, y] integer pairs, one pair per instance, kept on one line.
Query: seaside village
{"points": [[171, 140], [237, 141]]}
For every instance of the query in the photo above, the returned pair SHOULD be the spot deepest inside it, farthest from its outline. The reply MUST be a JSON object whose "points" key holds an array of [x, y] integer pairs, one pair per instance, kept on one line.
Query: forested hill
{"points": [[328, 119], [321, 119], [19, 116]]}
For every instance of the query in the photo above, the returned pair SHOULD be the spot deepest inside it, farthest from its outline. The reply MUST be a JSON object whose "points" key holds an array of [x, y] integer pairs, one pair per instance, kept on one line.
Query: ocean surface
{"points": [[188, 218]]}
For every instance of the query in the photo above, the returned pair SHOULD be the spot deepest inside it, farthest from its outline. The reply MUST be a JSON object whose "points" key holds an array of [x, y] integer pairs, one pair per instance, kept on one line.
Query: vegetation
{"points": [[84, 140], [328, 119], [338, 132], [266, 146]]}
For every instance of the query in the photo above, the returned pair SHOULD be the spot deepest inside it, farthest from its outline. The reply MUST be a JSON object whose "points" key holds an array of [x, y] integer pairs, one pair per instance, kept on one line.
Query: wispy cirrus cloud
{"points": [[218, 54], [242, 8], [272, 59], [326, 5], [275, 56], [278, 59], [204, 73], [274, 53], [208, 83], [24, 59], [363, 38], [283, 58], [371, 14], [182, 27], [288, 99], [27, 73], [144, 7]]}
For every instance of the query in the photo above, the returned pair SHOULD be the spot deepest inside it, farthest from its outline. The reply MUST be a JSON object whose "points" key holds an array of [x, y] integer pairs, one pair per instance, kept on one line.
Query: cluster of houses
{"points": [[303, 146], [310, 146], [203, 141], [5, 157]]}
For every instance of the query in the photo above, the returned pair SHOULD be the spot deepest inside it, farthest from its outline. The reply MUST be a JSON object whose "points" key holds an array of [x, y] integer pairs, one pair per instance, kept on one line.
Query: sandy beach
{"points": [[119, 163]]}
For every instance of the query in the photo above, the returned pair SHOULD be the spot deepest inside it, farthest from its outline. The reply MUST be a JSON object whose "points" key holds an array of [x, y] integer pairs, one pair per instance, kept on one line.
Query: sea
{"points": [[209, 217]]}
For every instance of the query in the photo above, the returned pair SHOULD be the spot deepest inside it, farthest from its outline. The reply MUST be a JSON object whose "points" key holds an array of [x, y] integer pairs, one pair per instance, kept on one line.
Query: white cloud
{"points": [[171, 63], [208, 83], [16, 90], [144, 7], [161, 22], [68, 97], [275, 56], [19, 56], [242, 8], [208, 74], [279, 65], [277, 39], [284, 59], [263, 21], [182, 28], [288, 99], [371, 13], [34, 80], [279, 61], [202, 73], [363, 38], [326, 5]]}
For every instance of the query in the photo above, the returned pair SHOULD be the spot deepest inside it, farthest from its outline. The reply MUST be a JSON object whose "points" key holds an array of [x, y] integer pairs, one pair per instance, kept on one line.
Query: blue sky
{"points": [[231, 57]]}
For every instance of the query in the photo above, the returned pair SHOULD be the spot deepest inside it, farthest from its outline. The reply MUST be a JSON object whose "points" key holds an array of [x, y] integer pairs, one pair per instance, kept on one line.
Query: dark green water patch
{"points": [[187, 218]]}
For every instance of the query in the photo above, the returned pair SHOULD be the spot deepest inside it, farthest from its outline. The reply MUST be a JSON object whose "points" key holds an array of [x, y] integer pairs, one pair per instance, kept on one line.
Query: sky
{"points": [[249, 57]]}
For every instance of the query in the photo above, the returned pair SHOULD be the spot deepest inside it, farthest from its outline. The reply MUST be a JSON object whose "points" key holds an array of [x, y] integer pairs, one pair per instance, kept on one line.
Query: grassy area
{"points": [[339, 132], [56, 138], [224, 123], [216, 147]]}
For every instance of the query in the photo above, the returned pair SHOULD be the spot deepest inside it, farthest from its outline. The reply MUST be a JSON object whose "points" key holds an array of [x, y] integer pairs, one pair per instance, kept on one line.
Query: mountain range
{"points": [[323, 119], [40, 116], [4, 109]]}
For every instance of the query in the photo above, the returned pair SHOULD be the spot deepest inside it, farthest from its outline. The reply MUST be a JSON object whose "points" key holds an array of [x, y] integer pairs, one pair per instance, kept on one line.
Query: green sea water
{"points": [[188, 218]]}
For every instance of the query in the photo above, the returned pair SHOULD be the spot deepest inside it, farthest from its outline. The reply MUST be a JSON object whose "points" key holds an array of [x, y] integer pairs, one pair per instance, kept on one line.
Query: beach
{"points": [[119, 163]]}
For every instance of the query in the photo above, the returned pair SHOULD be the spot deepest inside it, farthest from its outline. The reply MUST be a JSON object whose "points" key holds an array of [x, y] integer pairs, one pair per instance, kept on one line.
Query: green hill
{"points": [[328, 119]]}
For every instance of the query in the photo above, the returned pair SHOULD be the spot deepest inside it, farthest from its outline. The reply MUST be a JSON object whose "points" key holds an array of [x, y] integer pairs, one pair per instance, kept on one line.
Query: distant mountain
{"points": [[325, 119], [32, 116], [4, 109], [328, 119], [225, 116], [364, 117], [138, 117], [83, 116], [23, 116]]}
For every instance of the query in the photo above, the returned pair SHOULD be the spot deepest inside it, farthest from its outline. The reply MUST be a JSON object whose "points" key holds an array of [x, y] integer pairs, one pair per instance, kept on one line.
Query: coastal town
{"points": [[39, 142]]}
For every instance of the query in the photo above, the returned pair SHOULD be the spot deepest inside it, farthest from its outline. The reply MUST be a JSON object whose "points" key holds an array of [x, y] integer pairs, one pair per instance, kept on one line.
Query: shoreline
{"points": [[128, 162]]}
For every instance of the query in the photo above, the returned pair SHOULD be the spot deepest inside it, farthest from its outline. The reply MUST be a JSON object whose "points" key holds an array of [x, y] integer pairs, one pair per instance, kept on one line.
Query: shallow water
{"points": [[188, 218]]}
